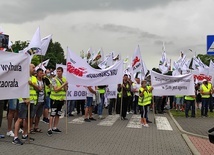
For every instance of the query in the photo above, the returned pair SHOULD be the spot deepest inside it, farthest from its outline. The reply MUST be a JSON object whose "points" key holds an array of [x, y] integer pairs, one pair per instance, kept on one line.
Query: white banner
{"points": [[79, 72], [76, 92], [111, 91], [14, 75], [172, 85]]}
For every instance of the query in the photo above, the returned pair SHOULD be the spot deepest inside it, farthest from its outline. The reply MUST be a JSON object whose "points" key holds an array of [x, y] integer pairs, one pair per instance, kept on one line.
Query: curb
{"points": [[185, 132], [190, 145], [186, 138]]}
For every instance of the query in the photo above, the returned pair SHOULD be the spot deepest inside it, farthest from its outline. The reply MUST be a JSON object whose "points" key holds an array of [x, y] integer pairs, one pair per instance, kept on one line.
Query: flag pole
{"points": [[28, 124], [66, 118], [121, 103]]}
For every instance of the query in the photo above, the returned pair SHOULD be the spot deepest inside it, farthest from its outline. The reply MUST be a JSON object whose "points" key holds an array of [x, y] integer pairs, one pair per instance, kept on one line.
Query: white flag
{"points": [[42, 65], [36, 40], [44, 45], [137, 60]]}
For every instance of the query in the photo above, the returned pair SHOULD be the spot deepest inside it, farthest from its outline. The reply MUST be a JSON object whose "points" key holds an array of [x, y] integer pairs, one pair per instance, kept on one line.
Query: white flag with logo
{"points": [[79, 72], [44, 45], [14, 75], [172, 85], [137, 61]]}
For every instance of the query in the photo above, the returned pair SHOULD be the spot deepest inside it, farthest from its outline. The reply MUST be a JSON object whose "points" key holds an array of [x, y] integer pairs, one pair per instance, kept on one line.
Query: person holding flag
{"points": [[58, 94]]}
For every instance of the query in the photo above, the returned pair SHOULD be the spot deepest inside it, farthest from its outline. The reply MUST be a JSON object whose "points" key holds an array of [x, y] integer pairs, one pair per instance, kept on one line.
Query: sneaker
{"points": [[45, 120], [17, 141], [20, 130], [87, 120], [10, 134], [148, 121], [56, 130], [146, 125], [1, 136], [26, 138], [49, 133], [101, 117], [92, 118], [70, 115]]}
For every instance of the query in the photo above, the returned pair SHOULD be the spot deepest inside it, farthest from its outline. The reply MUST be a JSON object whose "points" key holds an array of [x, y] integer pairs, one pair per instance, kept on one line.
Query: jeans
{"points": [[190, 104], [100, 106], [71, 105], [204, 107]]}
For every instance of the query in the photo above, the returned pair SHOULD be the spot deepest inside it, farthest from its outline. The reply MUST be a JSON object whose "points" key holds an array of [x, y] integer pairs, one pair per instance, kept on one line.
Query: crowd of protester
{"points": [[48, 95]]}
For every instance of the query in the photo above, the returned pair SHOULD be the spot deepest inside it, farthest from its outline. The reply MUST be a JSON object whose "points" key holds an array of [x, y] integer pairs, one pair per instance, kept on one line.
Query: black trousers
{"points": [[124, 106], [1, 110], [80, 103], [158, 104], [111, 105], [118, 105]]}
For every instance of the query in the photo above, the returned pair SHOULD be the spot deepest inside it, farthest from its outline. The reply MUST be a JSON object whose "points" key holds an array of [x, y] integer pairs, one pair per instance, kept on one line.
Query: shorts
{"points": [[13, 104], [23, 110], [89, 101], [179, 100], [56, 108], [39, 109], [47, 102]]}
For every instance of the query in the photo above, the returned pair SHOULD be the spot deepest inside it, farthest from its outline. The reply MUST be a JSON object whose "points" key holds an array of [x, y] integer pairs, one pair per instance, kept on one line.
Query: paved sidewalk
{"points": [[90, 138], [199, 127]]}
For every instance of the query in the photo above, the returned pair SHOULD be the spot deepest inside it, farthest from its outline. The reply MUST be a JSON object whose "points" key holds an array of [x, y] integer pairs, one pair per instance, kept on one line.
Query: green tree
{"points": [[56, 55], [20, 45]]}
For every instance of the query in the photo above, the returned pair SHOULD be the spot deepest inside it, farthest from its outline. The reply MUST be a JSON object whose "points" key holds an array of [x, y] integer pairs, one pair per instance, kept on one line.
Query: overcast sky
{"points": [[114, 25]]}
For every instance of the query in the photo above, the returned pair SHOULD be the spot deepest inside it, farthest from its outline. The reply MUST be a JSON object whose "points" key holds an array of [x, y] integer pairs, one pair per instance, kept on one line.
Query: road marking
{"points": [[109, 120], [134, 122], [162, 123], [79, 120]]}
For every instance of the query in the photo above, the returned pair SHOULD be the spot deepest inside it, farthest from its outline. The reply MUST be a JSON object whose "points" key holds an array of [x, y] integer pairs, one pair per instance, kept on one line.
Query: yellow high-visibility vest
{"points": [[60, 95]]}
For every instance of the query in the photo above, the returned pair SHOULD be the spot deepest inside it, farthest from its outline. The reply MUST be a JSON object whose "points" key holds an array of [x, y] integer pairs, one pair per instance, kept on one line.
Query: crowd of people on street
{"points": [[48, 94]]}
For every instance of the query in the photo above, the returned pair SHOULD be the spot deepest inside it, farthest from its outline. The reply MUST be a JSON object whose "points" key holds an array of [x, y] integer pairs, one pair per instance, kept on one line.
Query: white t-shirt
{"points": [[89, 94], [137, 87], [41, 92]]}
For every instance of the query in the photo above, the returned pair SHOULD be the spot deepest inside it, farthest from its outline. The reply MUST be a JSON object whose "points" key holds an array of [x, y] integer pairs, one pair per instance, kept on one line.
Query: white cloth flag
{"points": [[107, 62], [36, 40], [79, 72], [44, 45], [172, 85], [14, 75], [137, 62], [42, 65]]}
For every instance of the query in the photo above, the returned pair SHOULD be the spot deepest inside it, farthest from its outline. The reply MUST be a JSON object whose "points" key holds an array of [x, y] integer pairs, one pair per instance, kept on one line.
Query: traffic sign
{"points": [[210, 44]]}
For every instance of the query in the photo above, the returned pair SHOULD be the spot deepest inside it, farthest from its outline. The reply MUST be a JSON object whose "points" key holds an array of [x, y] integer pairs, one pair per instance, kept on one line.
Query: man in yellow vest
{"points": [[206, 91], [190, 104], [23, 109], [58, 95]]}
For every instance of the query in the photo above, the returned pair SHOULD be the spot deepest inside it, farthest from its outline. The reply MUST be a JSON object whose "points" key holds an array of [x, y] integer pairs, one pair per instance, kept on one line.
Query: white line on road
{"points": [[162, 123], [109, 120], [79, 120], [134, 122]]}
